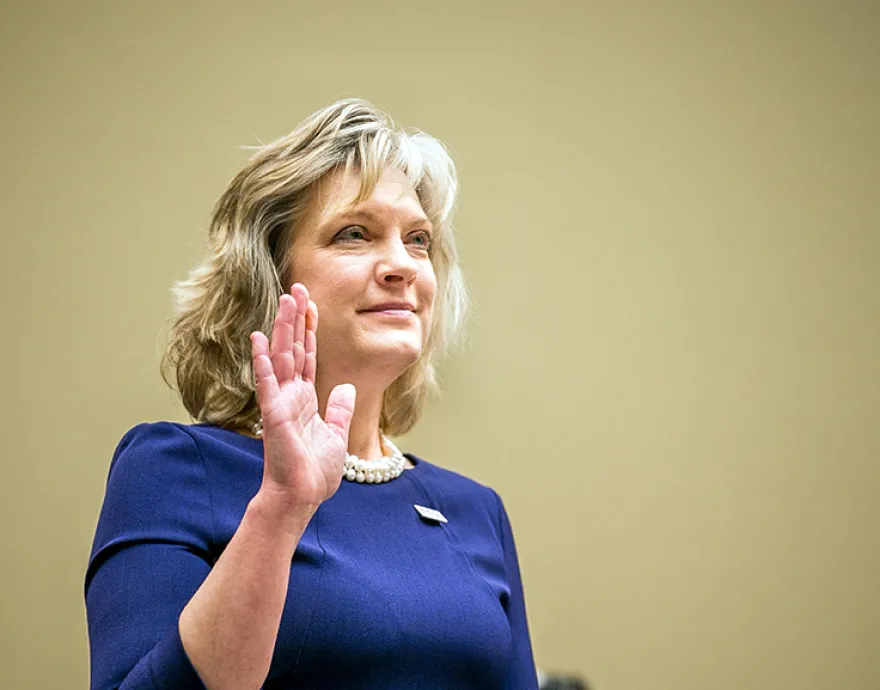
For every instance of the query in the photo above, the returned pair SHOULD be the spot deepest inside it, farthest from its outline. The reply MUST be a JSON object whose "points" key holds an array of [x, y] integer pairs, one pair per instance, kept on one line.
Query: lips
{"points": [[391, 306]]}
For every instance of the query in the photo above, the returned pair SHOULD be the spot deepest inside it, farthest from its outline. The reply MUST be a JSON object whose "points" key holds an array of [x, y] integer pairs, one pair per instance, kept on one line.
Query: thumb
{"points": [[340, 408]]}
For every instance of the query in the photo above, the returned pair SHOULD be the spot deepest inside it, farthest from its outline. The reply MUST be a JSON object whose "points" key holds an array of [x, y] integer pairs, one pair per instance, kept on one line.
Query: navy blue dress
{"points": [[379, 596]]}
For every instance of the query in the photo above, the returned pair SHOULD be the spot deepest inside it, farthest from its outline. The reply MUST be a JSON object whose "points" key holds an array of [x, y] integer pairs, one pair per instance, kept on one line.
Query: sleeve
{"points": [[152, 550], [522, 674]]}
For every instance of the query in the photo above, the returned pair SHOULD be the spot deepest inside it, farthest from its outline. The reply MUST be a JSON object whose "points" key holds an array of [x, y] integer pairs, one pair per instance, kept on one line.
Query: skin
{"points": [[354, 258], [345, 260]]}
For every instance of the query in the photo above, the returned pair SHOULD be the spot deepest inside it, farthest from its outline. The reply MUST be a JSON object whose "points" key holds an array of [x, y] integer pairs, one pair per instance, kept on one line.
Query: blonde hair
{"points": [[235, 290]]}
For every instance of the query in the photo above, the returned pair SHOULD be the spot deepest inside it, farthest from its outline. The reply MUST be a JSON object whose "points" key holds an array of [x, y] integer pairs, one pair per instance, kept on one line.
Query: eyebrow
{"points": [[372, 217]]}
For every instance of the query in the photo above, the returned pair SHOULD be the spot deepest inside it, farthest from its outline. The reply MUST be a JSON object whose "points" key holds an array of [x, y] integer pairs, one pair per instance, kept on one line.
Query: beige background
{"points": [[670, 224]]}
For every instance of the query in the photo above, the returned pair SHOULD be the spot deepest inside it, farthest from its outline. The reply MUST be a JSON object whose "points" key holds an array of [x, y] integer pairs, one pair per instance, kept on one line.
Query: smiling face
{"points": [[368, 268]]}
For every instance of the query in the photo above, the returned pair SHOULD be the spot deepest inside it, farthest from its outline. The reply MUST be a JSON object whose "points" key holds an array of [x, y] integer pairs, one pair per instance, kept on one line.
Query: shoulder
{"points": [[152, 440], [171, 455], [451, 480], [163, 438], [149, 456], [456, 492], [156, 491]]}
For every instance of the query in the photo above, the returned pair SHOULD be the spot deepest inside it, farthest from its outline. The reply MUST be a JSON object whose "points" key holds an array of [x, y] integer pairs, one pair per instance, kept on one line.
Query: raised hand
{"points": [[303, 454]]}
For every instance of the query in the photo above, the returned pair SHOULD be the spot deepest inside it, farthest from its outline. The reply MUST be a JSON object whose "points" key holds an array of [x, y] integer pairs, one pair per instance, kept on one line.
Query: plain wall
{"points": [[669, 220]]}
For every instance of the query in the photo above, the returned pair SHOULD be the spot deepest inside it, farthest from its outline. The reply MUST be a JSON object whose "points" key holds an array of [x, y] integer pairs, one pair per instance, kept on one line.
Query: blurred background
{"points": [[669, 220]]}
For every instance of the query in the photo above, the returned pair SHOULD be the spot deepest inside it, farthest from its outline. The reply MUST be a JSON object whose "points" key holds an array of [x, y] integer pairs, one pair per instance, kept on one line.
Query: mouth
{"points": [[396, 314], [397, 308]]}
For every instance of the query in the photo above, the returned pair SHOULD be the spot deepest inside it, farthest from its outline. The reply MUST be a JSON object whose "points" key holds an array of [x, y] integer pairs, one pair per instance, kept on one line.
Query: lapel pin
{"points": [[430, 514]]}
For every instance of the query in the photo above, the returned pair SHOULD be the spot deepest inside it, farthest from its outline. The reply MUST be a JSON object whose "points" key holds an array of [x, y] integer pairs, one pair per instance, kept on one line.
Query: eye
{"points": [[351, 233], [422, 239]]}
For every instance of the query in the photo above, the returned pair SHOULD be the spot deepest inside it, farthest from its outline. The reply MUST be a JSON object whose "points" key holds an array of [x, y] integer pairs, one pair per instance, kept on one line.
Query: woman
{"points": [[255, 547]]}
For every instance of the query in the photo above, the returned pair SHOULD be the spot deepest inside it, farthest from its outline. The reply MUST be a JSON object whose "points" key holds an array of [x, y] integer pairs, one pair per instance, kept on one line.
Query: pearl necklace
{"points": [[366, 471], [375, 471]]}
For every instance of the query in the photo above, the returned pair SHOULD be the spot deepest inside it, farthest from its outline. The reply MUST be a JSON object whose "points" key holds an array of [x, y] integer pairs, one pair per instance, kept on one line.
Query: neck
{"points": [[363, 435]]}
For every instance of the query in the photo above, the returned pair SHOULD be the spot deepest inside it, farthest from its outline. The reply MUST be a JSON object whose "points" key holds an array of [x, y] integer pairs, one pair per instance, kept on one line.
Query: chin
{"points": [[404, 349]]}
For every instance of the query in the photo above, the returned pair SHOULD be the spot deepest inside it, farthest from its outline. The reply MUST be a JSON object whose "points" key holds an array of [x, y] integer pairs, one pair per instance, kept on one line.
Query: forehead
{"points": [[335, 194]]}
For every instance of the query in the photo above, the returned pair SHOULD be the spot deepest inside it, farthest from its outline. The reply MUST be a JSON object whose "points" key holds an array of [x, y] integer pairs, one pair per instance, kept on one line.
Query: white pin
{"points": [[430, 513]]}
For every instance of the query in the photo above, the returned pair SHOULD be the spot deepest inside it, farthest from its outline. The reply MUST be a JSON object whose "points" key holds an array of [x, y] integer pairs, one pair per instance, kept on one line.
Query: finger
{"points": [[311, 343], [266, 384], [312, 316], [301, 296], [281, 351], [340, 408]]}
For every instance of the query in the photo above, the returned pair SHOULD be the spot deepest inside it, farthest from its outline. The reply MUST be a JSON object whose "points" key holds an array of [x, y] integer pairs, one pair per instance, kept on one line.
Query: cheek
{"points": [[428, 323], [428, 282], [428, 297], [332, 282]]}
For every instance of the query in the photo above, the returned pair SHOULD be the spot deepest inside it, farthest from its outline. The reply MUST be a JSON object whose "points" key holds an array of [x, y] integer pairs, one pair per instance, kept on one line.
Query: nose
{"points": [[396, 265]]}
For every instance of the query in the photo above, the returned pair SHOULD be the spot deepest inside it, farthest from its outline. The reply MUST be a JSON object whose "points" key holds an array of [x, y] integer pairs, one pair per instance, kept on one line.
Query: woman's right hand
{"points": [[303, 454]]}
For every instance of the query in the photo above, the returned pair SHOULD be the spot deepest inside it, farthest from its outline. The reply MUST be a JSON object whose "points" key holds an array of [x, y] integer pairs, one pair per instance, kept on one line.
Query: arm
{"points": [[230, 625], [152, 560], [175, 621], [522, 674]]}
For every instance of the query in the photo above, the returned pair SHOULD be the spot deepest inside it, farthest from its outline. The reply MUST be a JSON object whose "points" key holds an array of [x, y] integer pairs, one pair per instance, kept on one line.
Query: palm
{"points": [[303, 453]]}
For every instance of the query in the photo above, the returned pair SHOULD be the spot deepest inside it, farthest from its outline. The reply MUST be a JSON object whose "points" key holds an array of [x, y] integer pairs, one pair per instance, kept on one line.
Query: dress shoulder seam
{"points": [[204, 465]]}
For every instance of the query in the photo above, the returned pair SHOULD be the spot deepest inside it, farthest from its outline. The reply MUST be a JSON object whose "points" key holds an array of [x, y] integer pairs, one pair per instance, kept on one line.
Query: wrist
{"points": [[276, 514]]}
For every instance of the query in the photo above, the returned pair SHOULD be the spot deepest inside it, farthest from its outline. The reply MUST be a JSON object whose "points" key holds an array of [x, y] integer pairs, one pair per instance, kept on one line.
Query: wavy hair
{"points": [[235, 290]]}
